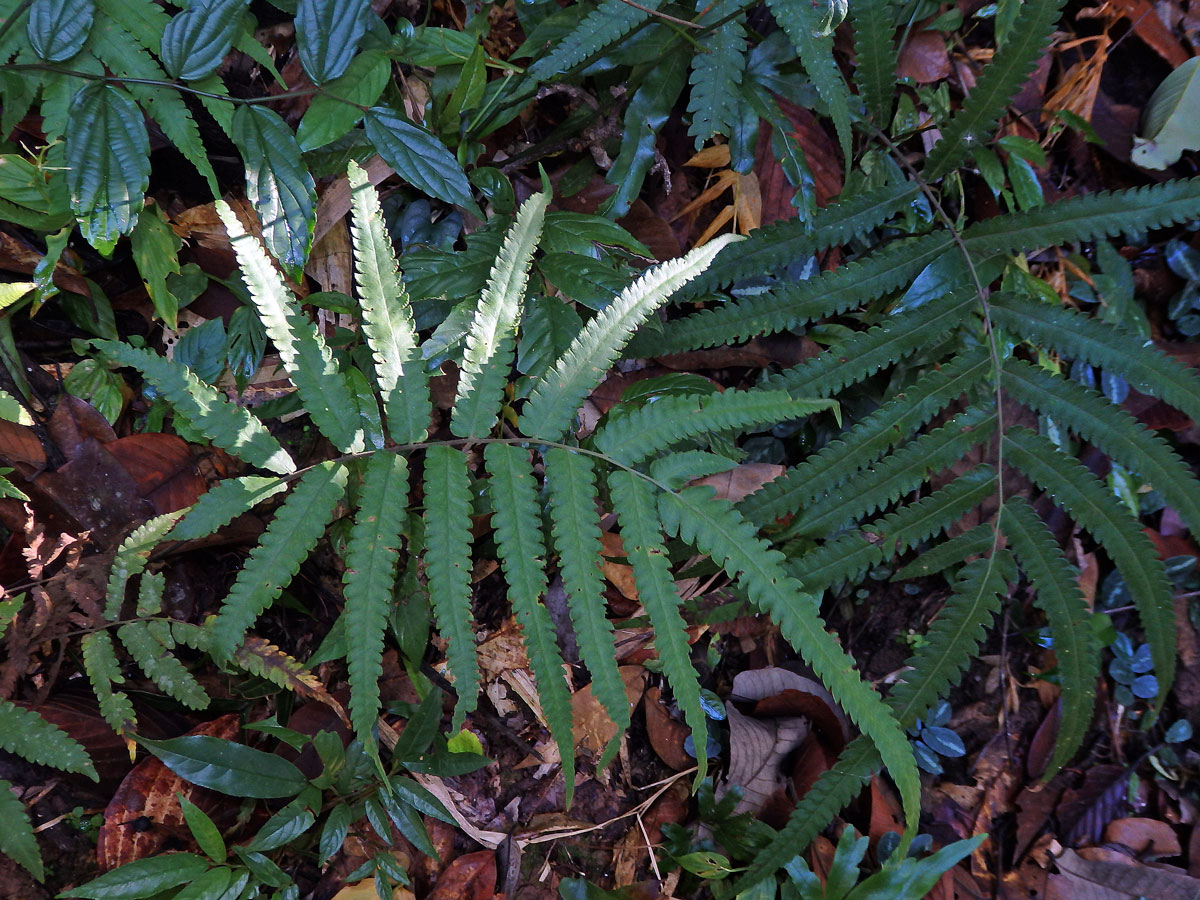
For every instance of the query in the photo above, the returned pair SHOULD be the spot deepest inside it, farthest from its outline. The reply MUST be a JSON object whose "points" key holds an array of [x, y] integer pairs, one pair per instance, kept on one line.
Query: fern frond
{"points": [[1111, 429], [867, 352], [29, 736], [387, 321], [571, 485], [151, 588], [1079, 492], [131, 559], [103, 671], [1059, 597], [896, 474], [161, 666], [813, 40], [487, 360], [652, 428], [515, 514], [610, 21], [678, 468], [229, 426], [298, 525], [371, 559], [633, 498], [1088, 217], [717, 71], [17, 841], [263, 659], [861, 445], [302, 350], [222, 503], [973, 542], [953, 639], [875, 56], [558, 395], [715, 527], [997, 85], [1119, 352], [448, 569]]}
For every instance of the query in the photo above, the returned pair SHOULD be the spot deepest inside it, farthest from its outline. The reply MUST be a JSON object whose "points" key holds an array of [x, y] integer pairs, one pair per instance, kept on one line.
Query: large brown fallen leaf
{"points": [[470, 877], [1103, 879]]}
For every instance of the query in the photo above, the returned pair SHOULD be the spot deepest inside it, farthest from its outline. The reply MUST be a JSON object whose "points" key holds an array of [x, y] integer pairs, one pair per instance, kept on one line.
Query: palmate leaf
{"points": [[1110, 428], [229, 426], [1094, 507], [715, 528], [488, 357], [571, 486], [295, 530], [558, 395], [131, 558], [195, 42], [16, 837], [387, 322], [1059, 597], [371, 559], [448, 569], [58, 29], [103, 671], [155, 659], [610, 21], [328, 33], [515, 513], [717, 71], [302, 350], [641, 534], [650, 429], [31, 737]]}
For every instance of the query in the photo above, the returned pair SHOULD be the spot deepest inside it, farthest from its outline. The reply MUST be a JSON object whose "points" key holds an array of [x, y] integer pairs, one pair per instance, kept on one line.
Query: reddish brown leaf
{"points": [[163, 467], [1145, 837], [470, 877], [923, 58], [666, 733]]}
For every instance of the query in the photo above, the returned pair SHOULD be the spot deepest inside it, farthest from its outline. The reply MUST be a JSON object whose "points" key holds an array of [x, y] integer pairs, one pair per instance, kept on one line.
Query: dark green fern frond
{"points": [[571, 485], [223, 503], [1111, 429], [972, 542], [997, 85], [1118, 352], [1059, 597], [715, 528], [610, 21], [17, 840], [717, 71], [103, 671], [161, 666], [448, 568], [229, 426], [298, 525], [652, 428], [1079, 492], [861, 445], [387, 322], [875, 56], [31, 737], [515, 514], [371, 559], [864, 354]]}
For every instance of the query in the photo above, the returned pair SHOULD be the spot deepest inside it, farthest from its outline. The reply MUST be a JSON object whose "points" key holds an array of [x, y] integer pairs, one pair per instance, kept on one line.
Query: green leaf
{"points": [[717, 71], [1169, 122], [195, 42], [328, 33], [16, 837], [419, 158], [206, 409], [131, 559], [143, 878], [215, 884], [875, 56], [103, 670], [160, 666], [207, 835], [284, 827], [227, 766], [558, 395], [339, 105], [517, 519], [371, 559], [606, 24], [108, 163], [277, 183], [58, 29], [487, 360], [295, 530], [156, 252]]}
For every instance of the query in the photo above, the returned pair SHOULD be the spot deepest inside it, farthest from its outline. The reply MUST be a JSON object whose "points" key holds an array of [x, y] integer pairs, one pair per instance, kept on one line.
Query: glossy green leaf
{"points": [[58, 29], [327, 35], [419, 158], [108, 163], [207, 835], [1170, 124], [215, 884], [143, 878], [228, 767], [338, 106], [277, 183], [195, 42]]}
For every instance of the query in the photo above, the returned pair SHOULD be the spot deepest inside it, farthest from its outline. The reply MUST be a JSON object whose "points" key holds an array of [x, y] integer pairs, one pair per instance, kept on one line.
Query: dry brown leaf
{"points": [[470, 877], [666, 733], [742, 480], [923, 58], [1145, 837]]}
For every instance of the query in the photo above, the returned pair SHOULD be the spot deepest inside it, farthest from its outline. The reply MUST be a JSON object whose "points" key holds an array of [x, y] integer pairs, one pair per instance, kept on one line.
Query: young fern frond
{"points": [[160, 666], [448, 568], [1059, 597], [571, 486], [371, 560], [230, 427], [131, 559], [31, 737], [487, 360], [298, 525], [1079, 492], [634, 498], [610, 21], [387, 322], [523, 559], [558, 395], [1111, 429], [630, 438], [875, 55], [222, 503], [103, 671], [304, 354]]}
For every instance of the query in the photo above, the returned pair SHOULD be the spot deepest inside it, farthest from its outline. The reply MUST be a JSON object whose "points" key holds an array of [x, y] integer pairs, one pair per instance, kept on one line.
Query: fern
{"points": [[603, 26], [103, 671], [16, 838], [31, 737], [153, 658], [1075, 646], [972, 542], [131, 559], [223, 503], [294, 531], [717, 71], [876, 56]]}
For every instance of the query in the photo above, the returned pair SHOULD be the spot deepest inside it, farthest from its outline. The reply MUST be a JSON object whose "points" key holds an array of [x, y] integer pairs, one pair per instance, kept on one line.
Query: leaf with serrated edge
{"points": [[16, 837], [419, 158], [131, 558], [103, 671], [328, 33], [58, 29], [28, 735], [195, 42]]}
